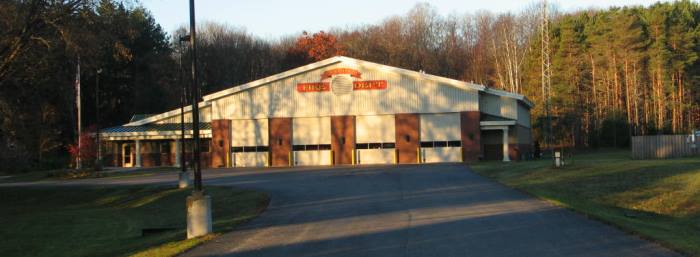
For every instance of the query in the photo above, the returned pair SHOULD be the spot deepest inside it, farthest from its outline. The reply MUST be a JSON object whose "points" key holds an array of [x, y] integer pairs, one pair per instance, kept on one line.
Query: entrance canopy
{"points": [[154, 131]]}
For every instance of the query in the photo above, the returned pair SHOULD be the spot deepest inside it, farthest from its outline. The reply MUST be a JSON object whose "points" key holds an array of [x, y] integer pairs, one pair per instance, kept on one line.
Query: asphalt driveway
{"points": [[429, 210]]}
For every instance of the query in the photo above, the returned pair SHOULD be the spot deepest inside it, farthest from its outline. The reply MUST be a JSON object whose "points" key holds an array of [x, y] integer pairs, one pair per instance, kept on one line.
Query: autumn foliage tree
{"points": [[86, 150], [312, 48]]}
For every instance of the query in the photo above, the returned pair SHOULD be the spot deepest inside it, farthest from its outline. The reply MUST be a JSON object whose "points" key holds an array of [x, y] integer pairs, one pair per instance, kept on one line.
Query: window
{"points": [[375, 146], [388, 145], [311, 147], [431, 144], [249, 149], [440, 144]]}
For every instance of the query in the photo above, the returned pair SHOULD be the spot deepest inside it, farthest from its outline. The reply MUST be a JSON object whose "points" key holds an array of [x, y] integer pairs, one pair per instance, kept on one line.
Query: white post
{"points": [[506, 158], [137, 153], [178, 144]]}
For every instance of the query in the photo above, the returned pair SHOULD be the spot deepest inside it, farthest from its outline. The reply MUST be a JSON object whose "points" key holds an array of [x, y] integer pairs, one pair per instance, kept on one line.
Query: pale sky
{"points": [[271, 19]]}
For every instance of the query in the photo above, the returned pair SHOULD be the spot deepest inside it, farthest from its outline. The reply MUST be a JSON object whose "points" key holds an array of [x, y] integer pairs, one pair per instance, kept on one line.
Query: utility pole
{"points": [[184, 178], [546, 74], [199, 221], [195, 103]]}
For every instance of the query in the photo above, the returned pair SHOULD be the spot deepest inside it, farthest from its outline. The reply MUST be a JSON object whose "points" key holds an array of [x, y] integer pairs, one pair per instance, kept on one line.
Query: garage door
{"points": [[249, 143], [440, 138], [375, 139], [311, 138]]}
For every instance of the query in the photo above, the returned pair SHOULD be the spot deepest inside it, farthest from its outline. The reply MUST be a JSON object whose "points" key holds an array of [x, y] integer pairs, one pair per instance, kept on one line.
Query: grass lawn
{"points": [[658, 199], [107, 221], [42, 175]]}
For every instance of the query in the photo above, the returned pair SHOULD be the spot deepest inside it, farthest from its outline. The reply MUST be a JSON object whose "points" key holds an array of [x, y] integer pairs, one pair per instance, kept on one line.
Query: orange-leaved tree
{"points": [[88, 148], [316, 47]]}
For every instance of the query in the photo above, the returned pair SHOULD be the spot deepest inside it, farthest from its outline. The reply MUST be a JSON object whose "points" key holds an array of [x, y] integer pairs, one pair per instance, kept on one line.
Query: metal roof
{"points": [[154, 127], [141, 117], [323, 63]]}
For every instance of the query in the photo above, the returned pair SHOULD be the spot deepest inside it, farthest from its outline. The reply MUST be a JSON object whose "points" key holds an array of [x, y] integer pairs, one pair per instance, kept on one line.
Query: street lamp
{"points": [[198, 205], [184, 178], [98, 160]]}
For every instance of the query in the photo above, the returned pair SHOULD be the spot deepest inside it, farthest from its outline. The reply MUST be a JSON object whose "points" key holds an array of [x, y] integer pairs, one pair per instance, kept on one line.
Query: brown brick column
{"points": [[149, 159], [280, 137], [220, 143], [407, 137], [471, 135], [343, 138]]}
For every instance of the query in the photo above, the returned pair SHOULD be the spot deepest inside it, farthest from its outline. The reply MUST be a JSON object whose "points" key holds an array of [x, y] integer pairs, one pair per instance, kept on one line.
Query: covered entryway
{"points": [[440, 138], [311, 141], [375, 139], [495, 138], [249, 143]]}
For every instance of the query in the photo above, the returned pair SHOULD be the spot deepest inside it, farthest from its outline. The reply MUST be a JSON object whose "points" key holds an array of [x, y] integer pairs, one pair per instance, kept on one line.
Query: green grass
{"points": [[48, 175], [107, 221], [657, 199]]}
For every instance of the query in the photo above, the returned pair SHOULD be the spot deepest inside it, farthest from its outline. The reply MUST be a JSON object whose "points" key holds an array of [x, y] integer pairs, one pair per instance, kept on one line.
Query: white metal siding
{"points": [[311, 131], [308, 158], [376, 156], [375, 129], [254, 159], [498, 105], [523, 116], [440, 127], [441, 154], [404, 94], [524, 135], [249, 132]]}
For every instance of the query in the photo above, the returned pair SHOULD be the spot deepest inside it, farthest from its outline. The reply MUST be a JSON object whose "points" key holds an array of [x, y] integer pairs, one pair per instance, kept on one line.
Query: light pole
{"points": [[184, 178], [98, 160], [198, 205]]}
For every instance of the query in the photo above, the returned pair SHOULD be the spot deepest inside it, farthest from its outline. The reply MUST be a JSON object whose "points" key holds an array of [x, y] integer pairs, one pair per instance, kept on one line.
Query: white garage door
{"points": [[375, 139], [440, 138], [311, 139], [249, 143]]}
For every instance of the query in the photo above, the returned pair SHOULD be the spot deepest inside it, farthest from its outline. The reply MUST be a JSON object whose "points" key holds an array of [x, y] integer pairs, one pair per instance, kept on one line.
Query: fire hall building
{"points": [[338, 111]]}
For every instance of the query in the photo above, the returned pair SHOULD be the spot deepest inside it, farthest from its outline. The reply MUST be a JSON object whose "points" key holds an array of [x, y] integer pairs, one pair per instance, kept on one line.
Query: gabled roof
{"points": [[357, 62], [327, 62], [339, 59]]}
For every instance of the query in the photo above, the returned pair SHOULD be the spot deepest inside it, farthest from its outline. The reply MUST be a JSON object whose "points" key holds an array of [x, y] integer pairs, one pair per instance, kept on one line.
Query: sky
{"points": [[271, 19]]}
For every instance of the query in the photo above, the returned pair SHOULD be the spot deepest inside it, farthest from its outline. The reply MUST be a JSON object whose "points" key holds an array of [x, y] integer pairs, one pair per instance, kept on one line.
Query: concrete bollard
{"points": [[184, 180], [198, 215]]}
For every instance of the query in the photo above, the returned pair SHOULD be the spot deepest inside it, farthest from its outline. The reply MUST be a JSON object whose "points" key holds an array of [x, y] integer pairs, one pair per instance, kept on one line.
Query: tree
{"points": [[316, 47]]}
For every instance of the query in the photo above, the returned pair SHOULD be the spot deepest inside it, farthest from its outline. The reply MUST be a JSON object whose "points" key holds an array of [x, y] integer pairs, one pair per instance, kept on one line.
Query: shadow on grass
{"points": [[108, 221]]}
